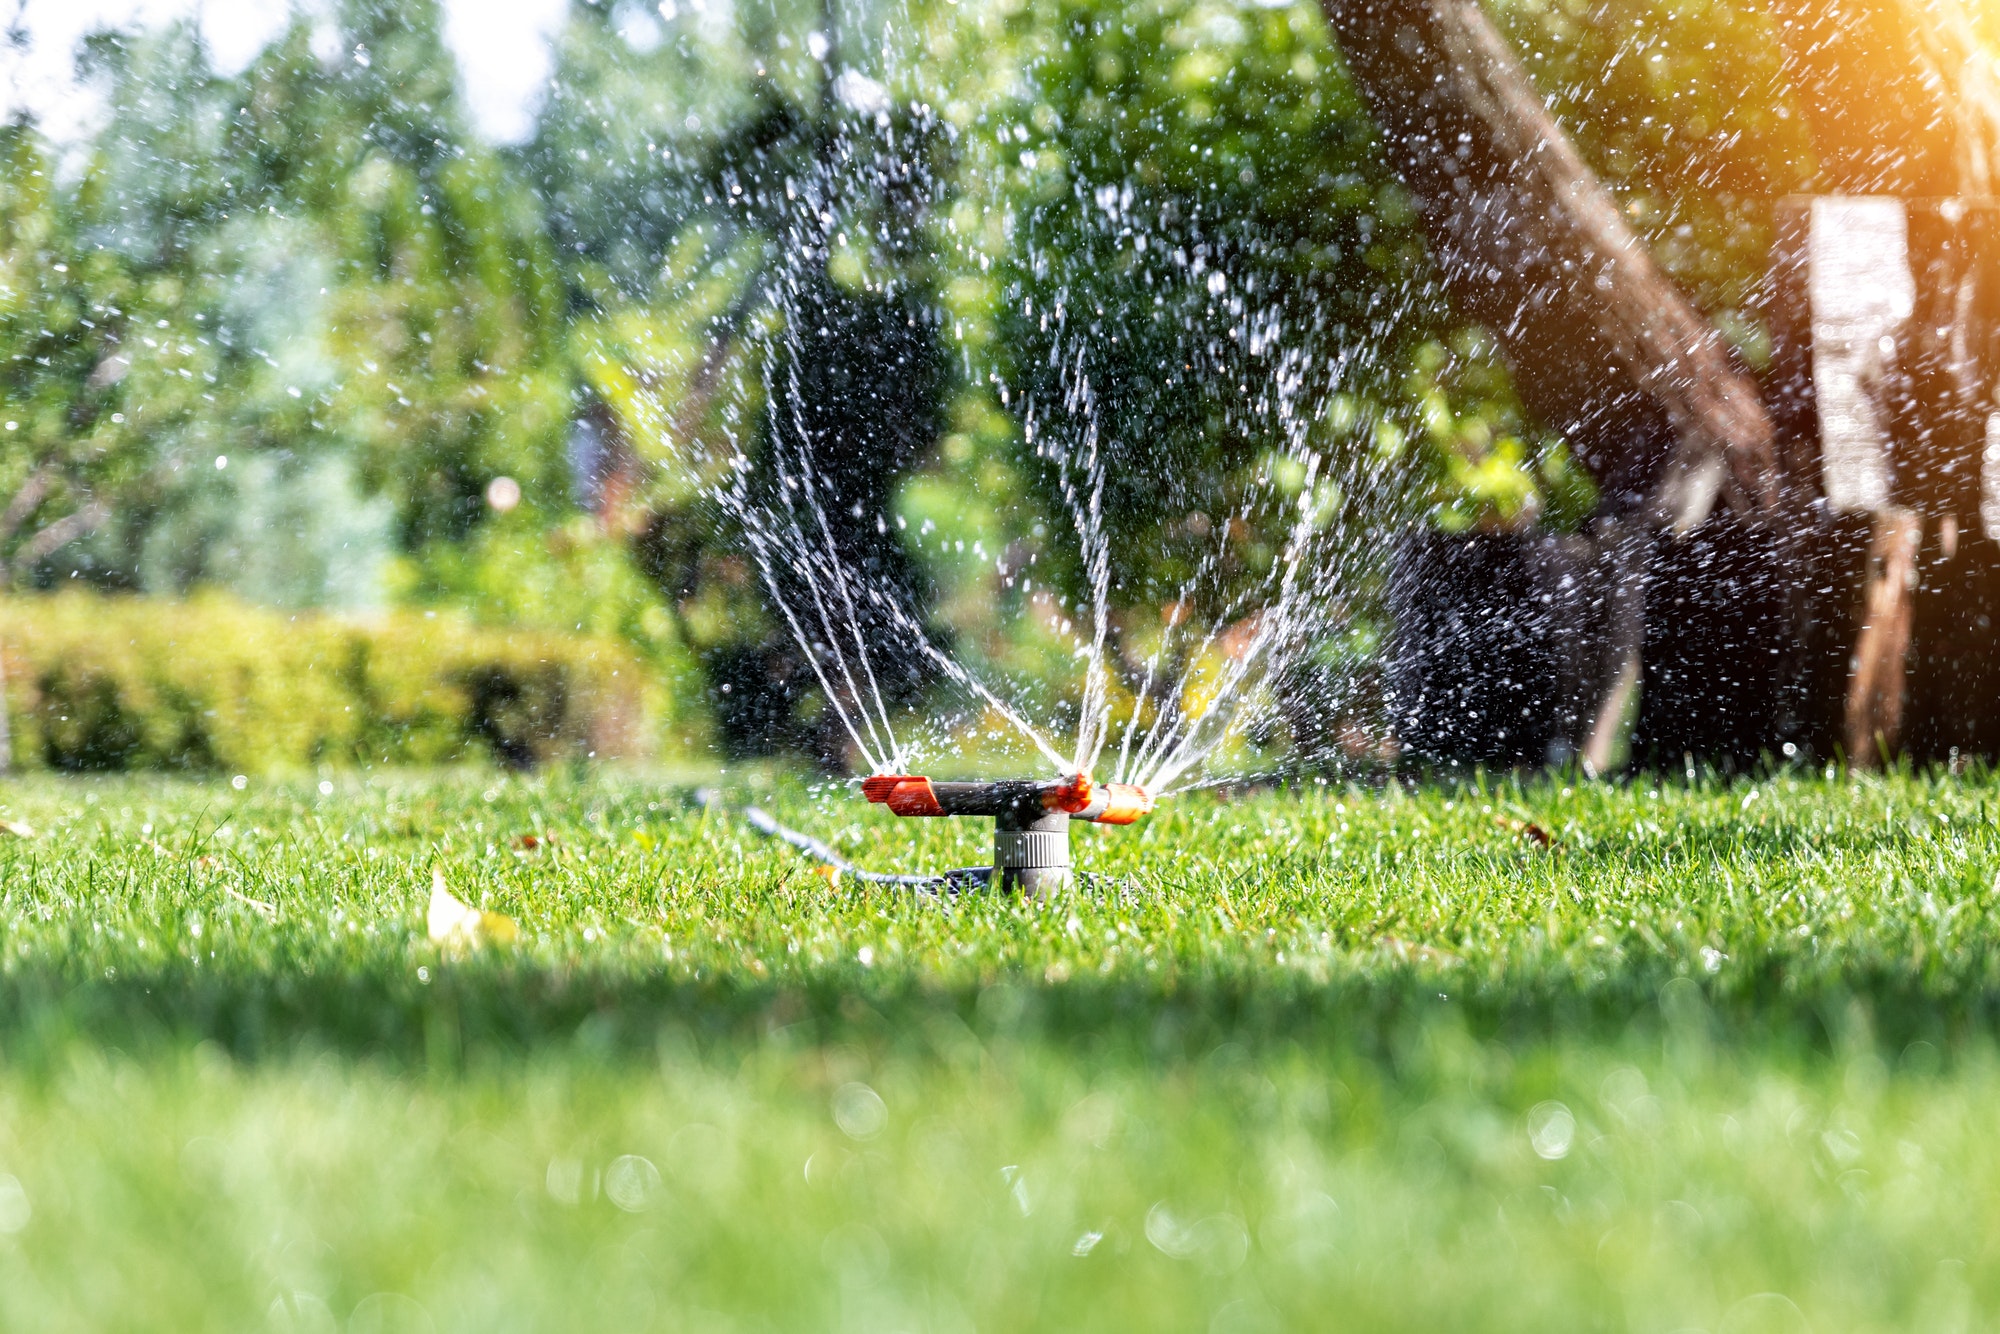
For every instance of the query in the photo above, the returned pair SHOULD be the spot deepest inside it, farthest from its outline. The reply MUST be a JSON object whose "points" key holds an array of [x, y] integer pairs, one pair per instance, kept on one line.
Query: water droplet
{"points": [[859, 1111]]}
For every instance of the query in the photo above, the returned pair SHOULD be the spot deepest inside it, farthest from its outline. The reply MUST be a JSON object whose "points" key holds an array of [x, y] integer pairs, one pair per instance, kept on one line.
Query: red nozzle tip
{"points": [[878, 788], [914, 796]]}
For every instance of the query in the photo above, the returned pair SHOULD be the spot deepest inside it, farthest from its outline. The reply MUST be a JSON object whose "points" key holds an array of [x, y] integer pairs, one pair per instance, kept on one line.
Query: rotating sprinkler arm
{"points": [[1078, 798], [1030, 817]]}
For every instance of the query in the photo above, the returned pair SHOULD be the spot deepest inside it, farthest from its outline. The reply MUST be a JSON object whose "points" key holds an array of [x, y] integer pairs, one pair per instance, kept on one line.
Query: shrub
{"points": [[100, 683]]}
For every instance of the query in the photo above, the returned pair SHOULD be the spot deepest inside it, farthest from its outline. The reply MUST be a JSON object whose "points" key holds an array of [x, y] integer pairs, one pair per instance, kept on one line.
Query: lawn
{"points": [[1653, 1057]]}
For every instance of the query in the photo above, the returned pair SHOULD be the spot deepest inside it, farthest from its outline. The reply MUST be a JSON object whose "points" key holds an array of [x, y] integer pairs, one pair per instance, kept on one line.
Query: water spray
{"points": [[1030, 817]]}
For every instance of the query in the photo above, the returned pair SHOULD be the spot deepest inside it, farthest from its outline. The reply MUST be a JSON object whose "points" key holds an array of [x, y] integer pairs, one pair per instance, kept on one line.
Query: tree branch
{"points": [[62, 532], [31, 494]]}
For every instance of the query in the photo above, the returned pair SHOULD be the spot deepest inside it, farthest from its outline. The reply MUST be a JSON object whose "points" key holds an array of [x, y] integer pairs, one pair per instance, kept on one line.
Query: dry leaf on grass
{"points": [[269, 910], [454, 922], [1534, 833], [17, 828]]}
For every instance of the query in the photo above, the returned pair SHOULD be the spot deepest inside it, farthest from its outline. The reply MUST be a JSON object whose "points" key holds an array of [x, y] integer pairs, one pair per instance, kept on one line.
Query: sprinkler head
{"points": [[1030, 816]]}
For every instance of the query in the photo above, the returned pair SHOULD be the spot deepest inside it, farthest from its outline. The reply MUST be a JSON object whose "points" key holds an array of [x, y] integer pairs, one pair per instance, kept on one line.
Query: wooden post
{"points": [[6, 720], [1844, 262], [1622, 547], [1875, 689]]}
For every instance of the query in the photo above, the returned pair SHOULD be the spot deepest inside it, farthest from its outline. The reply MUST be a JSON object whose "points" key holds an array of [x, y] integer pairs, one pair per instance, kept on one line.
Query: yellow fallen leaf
{"points": [[454, 922], [269, 910], [18, 828]]}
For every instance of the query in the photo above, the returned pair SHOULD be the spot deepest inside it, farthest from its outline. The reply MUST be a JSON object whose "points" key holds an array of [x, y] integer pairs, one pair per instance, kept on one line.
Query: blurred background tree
{"points": [[63, 458], [299, 333], [740, 207], [312, 275]]}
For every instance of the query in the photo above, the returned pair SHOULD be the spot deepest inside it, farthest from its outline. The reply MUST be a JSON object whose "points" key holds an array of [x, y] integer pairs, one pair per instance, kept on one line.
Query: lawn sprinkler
{"points": [[1030, 816]]}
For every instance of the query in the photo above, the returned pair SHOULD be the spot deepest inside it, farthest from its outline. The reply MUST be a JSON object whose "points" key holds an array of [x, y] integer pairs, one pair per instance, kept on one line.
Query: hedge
{"points": [[98, 683]]}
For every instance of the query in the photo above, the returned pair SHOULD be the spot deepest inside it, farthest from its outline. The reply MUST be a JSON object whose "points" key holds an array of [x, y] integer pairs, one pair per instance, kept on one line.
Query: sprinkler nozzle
{"points": [[1117, 803]]}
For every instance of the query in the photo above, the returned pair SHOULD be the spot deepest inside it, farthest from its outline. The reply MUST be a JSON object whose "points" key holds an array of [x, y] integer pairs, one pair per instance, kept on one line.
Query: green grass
{"points": [[1721, 1058]]}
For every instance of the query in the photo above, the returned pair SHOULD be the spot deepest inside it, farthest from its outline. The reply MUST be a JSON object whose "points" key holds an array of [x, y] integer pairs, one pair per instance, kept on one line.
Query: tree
{"points": [[743, 217], [60, 451], [315, 262], [443, 361]]}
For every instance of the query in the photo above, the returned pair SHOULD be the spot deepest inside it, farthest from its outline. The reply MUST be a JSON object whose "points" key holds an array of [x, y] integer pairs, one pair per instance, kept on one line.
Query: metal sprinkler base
{"points": [[1030, 818], [1031, 855]]}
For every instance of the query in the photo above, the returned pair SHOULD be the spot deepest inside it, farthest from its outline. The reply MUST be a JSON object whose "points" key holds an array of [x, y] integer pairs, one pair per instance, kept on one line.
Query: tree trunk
{"points": [[6, 719], [1602, 347]]}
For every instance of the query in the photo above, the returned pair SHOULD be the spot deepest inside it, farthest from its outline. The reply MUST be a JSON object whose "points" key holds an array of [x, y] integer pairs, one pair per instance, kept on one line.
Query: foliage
{"points": [[211, 684], [1682, 108], [59, 446], [774, 306], [313, 258], [446, 326], [1187, 198], [569, 580], [310, 291], [1201, 159], [1724, 1056]]}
